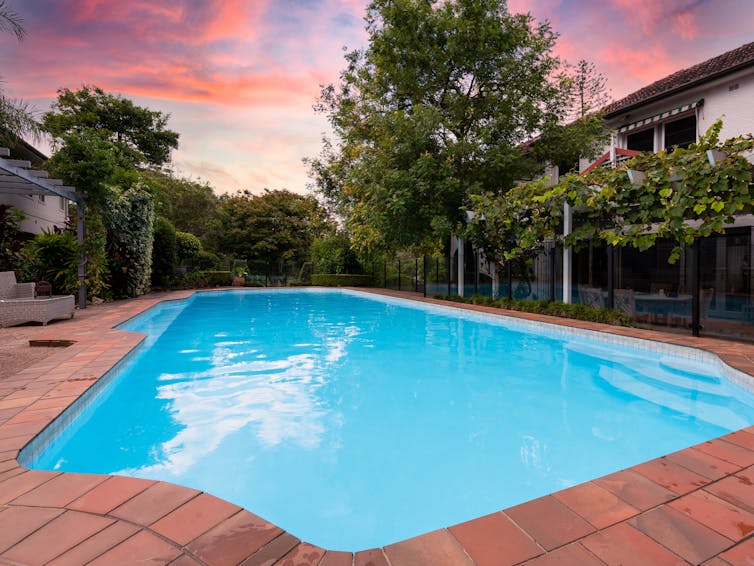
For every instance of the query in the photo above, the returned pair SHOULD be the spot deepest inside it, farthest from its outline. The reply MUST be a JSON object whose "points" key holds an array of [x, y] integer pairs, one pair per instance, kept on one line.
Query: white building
{"points": [[43, 212]]}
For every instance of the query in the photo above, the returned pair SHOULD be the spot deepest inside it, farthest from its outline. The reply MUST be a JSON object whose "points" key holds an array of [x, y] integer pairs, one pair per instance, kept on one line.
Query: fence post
{"points": [[610, 277], [416, 275], [267, 275], [696, 258], [552, 274], [399, 275], [384, 275], [449, 260], [510, 280], [476, 272], [424, 275]]}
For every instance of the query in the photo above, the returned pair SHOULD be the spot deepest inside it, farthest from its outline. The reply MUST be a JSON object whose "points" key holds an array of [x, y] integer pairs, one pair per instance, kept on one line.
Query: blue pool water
{"points": [[354, 421]]}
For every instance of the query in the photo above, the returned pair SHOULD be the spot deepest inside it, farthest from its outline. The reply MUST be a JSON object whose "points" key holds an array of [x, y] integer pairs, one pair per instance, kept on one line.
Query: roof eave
{"points": [[671, 92]]}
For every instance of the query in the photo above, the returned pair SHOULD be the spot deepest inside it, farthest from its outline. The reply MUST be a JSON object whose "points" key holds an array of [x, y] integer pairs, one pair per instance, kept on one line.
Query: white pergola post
{"points": [[567, 255]]}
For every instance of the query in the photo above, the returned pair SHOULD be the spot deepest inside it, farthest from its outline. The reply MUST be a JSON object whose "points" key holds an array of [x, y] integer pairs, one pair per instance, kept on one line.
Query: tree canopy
{"points": [[139, 135], [276, 226], [435, 109]]}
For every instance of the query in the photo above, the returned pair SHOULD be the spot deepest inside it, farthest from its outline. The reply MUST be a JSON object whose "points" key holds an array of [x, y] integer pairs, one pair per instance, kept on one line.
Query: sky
{"points": [[239, 77]]}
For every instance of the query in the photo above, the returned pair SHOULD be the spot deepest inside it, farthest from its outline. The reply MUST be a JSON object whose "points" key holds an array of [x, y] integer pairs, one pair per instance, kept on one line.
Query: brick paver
{"points": [[692, 506]]}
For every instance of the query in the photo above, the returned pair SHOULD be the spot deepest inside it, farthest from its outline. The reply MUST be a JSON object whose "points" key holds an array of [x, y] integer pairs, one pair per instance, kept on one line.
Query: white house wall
{"points": [[40, 216]]}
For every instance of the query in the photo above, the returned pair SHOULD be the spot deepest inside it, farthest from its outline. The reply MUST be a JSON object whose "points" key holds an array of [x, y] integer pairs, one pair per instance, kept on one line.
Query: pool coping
{"points": [[693, 506]]}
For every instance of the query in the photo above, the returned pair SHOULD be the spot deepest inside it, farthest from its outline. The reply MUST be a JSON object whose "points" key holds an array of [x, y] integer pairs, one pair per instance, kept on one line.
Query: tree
{"points": [[101, 141], [189, 205], [16, 118], [587, 89], [11, 21], [138, 135], [276, 226], [434, 110]]}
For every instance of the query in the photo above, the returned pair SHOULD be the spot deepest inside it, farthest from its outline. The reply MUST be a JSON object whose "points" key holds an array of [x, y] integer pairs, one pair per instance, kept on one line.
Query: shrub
{"points": [[333, 254], [188, 246], [554, 308], [217, 278], [206, 261], [164, 253], [341, 280], [53, 257]]}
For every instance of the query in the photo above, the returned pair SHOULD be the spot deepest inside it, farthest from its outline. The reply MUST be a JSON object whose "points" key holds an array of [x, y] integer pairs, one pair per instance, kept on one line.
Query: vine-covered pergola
{"points": [[681, 195]]}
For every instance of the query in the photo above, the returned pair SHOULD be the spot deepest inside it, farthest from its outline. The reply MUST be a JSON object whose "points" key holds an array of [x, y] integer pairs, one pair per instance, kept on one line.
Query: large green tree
{"points": [[276, 226], [437, 108], [101, 143]]}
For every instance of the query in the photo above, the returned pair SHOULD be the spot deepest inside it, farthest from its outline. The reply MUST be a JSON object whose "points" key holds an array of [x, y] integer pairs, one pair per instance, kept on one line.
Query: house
{"points": [[44, 212], [675, 111]]}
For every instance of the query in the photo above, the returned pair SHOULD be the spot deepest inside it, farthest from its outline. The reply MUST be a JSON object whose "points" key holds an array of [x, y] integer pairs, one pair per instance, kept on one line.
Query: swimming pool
{"points": [[268, 399]]}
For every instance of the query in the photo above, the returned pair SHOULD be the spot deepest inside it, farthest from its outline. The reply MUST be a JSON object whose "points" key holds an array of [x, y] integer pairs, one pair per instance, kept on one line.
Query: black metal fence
{"points": [[707, 291]]}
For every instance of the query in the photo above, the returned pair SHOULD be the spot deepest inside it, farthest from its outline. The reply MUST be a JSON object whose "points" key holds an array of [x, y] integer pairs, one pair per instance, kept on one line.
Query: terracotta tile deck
{"points": [[693, 506]]}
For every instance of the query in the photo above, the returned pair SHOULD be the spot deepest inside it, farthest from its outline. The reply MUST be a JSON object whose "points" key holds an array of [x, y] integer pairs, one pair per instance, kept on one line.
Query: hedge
{"points": [[341, 280], [555, 308], [217, 278]]}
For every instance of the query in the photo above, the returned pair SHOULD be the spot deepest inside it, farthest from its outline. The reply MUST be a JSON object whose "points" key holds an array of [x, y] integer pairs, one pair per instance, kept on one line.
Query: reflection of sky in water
{"points": [[354, 423]]}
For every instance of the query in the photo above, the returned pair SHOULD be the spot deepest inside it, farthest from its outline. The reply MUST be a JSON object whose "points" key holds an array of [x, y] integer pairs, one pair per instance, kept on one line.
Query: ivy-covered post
{"points": [[80, 237], [567, 254], [696, 258]]}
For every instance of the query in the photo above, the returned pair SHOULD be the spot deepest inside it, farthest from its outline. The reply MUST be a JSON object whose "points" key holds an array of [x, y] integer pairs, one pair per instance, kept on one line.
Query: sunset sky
{"points": [[239, 77]]}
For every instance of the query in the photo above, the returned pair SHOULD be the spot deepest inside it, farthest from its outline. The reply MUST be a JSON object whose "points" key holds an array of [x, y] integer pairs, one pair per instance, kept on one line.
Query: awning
{"points": [[17, 177], [660, 116]]}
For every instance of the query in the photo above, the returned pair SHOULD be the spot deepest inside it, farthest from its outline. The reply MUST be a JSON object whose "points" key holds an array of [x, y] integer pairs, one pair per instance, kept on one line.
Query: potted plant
{"points": [[239, 275]]}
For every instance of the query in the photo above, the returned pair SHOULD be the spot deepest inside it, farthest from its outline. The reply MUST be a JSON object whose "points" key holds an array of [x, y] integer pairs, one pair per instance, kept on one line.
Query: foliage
{"points": [[203, 279], [189, 205], [333, 254], [682, 197], [587, 89], [206, 261], [274, 227], [130, 218], [164, 253], [188, 246], [16, 116], [341, 280], [10, 235], [434, 110], [138, 136], [11, 21], [53, 257], [551, 308]]}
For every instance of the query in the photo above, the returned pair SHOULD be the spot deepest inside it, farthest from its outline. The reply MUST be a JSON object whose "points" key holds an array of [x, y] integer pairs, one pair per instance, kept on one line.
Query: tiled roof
{"points": [[712, 68]]}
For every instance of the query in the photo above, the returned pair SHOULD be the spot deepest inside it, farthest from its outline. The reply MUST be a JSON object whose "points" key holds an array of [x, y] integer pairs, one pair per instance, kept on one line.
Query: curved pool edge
{"points": [[81, 517]]}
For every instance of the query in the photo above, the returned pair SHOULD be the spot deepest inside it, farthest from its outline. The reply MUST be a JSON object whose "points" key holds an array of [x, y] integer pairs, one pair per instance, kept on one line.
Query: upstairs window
{"points": [[643, 140], [681, 133]]}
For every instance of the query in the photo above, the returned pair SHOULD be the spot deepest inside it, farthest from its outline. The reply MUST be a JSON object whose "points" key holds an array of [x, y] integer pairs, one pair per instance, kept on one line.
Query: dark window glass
{"points": [[680, 132], [641, 141]]}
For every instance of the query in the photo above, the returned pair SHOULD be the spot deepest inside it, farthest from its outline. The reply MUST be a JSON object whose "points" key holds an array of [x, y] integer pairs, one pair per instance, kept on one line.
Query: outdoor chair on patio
{"points": [[18, 303]]}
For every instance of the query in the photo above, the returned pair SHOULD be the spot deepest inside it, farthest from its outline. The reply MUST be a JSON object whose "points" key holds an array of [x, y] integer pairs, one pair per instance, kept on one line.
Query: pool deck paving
{"points": [[693, 506]]}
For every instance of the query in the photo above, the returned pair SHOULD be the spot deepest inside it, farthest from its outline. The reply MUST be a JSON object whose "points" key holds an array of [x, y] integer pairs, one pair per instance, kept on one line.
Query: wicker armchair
{"points": [[18, 303]]}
